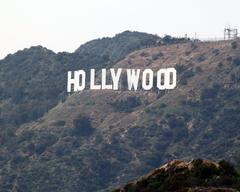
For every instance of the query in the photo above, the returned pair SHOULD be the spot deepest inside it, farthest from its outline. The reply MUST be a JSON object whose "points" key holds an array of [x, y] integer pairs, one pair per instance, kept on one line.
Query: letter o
{"points": [[165, 74], [149, 85]]}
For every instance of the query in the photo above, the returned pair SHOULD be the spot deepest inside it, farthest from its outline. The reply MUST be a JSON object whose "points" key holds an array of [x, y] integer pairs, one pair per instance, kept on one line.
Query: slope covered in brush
{"points": [[96, 140], [34, 80]]}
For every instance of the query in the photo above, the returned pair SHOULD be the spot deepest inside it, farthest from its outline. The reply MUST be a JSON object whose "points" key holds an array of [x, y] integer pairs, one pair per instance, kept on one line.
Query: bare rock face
{"points": [[188, 176]]}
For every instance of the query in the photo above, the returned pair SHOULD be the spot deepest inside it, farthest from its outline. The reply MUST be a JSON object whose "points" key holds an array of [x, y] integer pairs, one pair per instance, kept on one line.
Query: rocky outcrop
{"points": [[193, 176]]}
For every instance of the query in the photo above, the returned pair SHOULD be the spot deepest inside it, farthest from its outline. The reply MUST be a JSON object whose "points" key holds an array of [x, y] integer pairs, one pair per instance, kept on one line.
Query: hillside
{"points": [[194, 176], [34, 80], [97, 140]]}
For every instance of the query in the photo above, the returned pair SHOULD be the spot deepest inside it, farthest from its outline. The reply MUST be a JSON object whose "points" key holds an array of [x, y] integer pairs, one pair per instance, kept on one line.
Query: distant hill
{"points": [[195, 176], [98, 140], [119, 46]]}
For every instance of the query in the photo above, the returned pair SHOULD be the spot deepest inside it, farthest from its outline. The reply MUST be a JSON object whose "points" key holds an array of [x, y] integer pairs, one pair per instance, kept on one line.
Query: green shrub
{"points": [[228, 168], [234, 45], [157, 56], [208, 93], [198, 69], [236, 61], [82, 126], [216, 51], [201, 58], [126, 104]]}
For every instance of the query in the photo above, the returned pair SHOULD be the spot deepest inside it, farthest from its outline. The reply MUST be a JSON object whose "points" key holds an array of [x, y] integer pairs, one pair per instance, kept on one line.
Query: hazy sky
{"points": [[62, 25]]}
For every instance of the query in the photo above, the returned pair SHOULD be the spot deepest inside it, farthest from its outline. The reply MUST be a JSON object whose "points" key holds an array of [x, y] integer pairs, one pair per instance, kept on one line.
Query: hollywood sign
{"points": [[165, 78]]}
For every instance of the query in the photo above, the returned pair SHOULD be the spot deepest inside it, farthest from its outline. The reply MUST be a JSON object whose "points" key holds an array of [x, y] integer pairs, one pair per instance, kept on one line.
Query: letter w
{"points": [[133, 78]]}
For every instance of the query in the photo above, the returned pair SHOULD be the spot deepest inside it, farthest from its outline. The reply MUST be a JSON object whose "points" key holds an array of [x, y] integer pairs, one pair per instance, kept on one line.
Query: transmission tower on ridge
{"points": [[230, 33]]}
